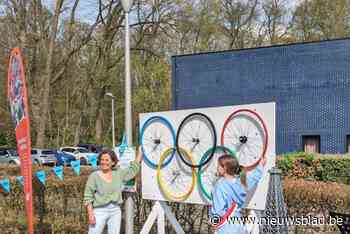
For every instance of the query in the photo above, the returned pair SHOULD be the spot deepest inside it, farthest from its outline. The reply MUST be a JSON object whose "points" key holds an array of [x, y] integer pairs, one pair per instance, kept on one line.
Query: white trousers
{"points": [[109, 214]]}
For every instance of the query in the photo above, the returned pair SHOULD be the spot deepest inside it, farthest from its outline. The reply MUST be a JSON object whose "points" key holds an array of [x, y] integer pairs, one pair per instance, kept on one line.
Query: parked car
{"points": [[9, 156], [63, 159], [93, 148], [43, 156], [79, 153]]}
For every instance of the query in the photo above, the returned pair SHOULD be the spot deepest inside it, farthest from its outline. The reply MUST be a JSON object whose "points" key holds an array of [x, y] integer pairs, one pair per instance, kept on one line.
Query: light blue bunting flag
{"points": [[58, 172], [76, 166], [93, 160], [41, 176], [5, 185], [123, 145]]}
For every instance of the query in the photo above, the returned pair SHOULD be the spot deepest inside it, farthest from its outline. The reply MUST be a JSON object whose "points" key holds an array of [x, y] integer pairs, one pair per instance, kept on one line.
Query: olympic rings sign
{"points": [[185, 153]]}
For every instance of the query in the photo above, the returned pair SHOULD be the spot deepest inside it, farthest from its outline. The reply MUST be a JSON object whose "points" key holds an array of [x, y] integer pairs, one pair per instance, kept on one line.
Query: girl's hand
{"points": [[92, 219], [139, 154]]}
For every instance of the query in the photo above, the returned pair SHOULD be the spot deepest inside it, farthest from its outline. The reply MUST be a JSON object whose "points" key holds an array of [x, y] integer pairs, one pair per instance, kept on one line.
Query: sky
{"points": [[87, 9]]}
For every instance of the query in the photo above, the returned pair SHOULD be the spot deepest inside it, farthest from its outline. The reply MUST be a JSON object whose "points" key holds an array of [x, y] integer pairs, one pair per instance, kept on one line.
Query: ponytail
{"points": [[232, 167], [243, 177]]}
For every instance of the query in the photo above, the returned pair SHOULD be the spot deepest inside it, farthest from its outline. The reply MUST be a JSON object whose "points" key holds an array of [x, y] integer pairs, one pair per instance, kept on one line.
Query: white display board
{"points": [[246, 125]]}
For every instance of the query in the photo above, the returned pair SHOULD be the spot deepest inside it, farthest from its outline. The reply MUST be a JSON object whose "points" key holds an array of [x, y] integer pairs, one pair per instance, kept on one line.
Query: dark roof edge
{"points": [[262, 47]]}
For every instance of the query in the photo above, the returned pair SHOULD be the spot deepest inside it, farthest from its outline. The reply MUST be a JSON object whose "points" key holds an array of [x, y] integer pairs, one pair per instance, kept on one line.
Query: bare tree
{"points": [[238, 21], [276, 20], [315, 19]]}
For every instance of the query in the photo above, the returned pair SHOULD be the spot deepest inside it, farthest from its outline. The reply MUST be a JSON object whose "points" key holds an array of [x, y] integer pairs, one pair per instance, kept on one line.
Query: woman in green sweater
{"points": [[103, 192]]}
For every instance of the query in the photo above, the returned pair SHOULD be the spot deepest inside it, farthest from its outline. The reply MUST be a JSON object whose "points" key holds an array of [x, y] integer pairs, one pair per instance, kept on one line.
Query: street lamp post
{"points": [[113, 126], [128, 113], [129, 203]]}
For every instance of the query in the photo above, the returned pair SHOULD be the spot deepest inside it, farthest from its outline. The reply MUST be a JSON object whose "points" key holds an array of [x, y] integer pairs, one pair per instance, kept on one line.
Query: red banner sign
{"points": [[18, 100]]}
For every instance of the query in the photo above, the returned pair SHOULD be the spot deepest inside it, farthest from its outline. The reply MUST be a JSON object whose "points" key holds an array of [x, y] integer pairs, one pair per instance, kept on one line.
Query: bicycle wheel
{"points": [[245, 132], [196, 134], [207, 175], [156, 136], [175, 183]]}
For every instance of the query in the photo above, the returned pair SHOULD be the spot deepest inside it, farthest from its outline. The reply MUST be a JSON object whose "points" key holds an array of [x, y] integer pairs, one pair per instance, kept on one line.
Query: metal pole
{"points": [[128, 112], [129, 203], [113, 126]]}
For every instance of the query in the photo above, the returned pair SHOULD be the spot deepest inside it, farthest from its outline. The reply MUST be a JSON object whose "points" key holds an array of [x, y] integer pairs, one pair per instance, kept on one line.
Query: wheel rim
{"points": [[245, 132], [156, 136], [196, 134], [175, 183]]}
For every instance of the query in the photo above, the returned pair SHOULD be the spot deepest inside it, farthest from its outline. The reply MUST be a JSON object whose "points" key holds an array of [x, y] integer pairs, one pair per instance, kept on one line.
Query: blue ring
{"points": [[168, 125]]}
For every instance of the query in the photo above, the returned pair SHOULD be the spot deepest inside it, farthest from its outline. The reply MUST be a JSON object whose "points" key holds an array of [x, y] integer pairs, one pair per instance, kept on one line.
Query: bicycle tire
{"points": [[147, 125], [162, 184], [195, 139], [244, 139]]}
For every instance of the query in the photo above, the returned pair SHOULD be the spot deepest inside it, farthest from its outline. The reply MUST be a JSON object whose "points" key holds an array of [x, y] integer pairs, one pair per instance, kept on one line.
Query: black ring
{"points": [[207, 119]]}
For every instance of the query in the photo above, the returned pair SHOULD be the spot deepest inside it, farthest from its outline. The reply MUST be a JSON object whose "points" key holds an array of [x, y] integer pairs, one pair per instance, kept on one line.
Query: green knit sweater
{"points": [[98, 192]]}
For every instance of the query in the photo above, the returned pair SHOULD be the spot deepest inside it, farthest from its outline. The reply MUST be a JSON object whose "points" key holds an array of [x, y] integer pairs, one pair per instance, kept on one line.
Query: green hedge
{"points": [[334, 168], [3, 140], [58, 206], [315, 198], [59, 209]]}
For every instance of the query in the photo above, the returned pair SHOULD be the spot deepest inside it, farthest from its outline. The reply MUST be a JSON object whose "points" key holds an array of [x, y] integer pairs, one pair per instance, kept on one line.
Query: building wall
{"points": [[310, 83]]}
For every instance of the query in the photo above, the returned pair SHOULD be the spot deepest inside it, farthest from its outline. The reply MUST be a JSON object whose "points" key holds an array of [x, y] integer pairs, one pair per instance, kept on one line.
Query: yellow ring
{"points": [[161, 182]]}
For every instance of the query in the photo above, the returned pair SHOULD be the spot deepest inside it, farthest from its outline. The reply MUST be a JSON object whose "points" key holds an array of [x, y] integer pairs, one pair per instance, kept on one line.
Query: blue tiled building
{"points": [[310, 83]]}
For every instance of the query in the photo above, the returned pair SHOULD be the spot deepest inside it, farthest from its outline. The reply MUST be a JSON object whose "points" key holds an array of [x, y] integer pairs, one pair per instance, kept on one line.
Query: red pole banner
{"points": [[18, 101]]}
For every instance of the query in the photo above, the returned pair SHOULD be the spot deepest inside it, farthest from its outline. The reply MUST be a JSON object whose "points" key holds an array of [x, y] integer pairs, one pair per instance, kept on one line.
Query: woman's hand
{"points": [[91, 216], [139, 154], [92, 219]]}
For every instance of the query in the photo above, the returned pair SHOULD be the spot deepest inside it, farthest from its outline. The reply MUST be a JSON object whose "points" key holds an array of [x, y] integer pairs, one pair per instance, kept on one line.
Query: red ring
{"points": [[250, 167]]}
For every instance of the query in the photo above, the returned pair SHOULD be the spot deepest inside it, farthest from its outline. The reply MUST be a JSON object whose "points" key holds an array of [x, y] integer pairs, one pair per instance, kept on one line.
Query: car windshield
{"points": [[82, 150], [13, 152], [48, 152]]}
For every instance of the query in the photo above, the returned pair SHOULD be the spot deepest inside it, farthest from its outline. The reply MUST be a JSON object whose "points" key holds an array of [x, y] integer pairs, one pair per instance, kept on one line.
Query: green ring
{"points": [[200, 171]]}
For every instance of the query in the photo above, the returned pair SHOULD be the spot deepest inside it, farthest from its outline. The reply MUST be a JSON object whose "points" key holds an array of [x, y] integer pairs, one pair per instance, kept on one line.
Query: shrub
{"points": [[286, 161], [59, 209], [3, 140], [315, 167], [304, 196], [315, 199]]}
